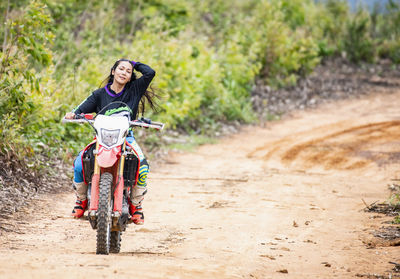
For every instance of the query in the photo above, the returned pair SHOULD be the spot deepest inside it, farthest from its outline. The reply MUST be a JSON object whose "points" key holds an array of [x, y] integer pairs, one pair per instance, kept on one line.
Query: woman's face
{"points": [[123, 72]]}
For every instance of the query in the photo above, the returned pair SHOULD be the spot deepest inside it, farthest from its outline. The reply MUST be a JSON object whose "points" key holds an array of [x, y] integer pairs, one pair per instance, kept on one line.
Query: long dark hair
{"points": [[150, 95]]}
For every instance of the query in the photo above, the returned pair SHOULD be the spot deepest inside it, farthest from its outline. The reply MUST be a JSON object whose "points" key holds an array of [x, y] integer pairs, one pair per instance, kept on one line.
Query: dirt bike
{"points": [[111, 169]]}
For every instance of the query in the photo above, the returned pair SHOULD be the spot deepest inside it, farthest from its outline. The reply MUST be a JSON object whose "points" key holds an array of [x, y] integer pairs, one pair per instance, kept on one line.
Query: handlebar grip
{"points": [[87, 116], [145, 120]]}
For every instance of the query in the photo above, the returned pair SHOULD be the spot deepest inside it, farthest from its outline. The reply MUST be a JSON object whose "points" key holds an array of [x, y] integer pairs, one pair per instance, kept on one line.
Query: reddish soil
{"points": [[282, 201]]}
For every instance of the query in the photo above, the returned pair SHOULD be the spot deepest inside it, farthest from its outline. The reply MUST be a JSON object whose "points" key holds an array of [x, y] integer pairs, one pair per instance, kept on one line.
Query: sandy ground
{"points": [[282, 201]]}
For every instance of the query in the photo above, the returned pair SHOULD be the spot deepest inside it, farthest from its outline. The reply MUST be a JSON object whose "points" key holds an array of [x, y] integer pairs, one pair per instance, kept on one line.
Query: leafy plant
{"points": [[24, 51], [358, 42], [207, 55]]}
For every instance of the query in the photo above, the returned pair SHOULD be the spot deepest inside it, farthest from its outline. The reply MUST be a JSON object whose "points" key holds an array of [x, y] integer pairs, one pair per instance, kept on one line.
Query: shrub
{"points": [[207, 55]]}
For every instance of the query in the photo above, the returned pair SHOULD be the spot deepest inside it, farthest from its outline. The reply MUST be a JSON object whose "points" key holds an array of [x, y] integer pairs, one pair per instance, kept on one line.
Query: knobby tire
{"points": [[104, 214]]}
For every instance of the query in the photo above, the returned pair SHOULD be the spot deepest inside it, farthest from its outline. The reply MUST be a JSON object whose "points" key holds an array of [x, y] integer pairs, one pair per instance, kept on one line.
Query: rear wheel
{"points": [[115, 242], [104, 214]]}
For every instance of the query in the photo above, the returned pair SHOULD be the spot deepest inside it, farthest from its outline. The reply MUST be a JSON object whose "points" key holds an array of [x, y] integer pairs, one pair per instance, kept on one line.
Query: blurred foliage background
{"points": [[207, 55]]}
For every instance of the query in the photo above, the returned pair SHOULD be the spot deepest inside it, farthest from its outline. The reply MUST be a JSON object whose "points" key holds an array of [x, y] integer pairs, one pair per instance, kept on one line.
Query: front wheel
{"points": [[104, 214]]}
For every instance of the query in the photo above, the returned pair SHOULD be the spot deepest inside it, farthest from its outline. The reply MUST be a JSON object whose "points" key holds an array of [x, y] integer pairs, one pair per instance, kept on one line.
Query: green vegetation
{"points": [[394, 204], [207, 54]]}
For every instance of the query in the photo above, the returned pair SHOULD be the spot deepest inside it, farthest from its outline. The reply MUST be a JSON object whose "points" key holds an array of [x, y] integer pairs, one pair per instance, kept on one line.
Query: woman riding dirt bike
{"points": [[122, 96], [111, 167]]}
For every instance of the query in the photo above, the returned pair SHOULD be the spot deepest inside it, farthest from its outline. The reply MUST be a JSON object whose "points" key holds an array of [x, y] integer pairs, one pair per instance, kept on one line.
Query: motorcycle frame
{"points": [[117, 170]]}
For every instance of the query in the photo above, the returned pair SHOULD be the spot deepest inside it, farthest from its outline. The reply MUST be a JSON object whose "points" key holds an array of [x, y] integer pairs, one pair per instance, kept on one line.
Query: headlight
{"points": [[109, 137]]}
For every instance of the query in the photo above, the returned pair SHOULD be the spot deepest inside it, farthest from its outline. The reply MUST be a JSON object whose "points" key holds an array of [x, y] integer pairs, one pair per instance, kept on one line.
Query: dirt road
{"points": [[283, 201]]}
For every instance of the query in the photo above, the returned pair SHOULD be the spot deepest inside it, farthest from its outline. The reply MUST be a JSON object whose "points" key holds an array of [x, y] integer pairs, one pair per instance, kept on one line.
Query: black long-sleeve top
{"points": [[131, 95]]}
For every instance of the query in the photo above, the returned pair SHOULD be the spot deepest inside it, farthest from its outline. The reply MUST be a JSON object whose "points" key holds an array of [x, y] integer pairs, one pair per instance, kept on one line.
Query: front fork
{"points": [[118, 190]]}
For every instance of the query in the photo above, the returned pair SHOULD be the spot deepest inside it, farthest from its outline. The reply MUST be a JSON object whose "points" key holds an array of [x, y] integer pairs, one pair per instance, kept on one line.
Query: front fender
{"points": [[106, 158]]}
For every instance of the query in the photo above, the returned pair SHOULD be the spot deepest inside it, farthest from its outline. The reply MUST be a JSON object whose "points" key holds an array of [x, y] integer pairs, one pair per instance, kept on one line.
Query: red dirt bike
{"points": [[111, 169]]}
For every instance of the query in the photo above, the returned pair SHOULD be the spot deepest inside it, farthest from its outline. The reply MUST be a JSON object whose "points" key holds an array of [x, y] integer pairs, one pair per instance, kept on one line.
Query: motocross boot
{"points": [[80, 208], [136, 213]]}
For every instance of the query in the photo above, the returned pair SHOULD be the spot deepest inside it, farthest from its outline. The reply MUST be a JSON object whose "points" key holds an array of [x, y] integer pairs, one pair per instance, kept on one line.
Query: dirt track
{"points": [[284, 201]]}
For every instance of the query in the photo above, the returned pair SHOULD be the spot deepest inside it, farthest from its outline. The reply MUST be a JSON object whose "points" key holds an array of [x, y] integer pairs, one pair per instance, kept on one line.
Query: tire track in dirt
{"points": [[347, 149]]}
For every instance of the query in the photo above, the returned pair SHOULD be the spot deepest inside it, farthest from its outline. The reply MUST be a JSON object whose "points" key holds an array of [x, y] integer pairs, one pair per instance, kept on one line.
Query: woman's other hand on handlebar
{"points": [[69, 115]]}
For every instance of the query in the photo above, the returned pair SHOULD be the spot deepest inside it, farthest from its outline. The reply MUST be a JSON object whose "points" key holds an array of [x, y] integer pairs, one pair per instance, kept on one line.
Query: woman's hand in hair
{"points": [[69, 115]]}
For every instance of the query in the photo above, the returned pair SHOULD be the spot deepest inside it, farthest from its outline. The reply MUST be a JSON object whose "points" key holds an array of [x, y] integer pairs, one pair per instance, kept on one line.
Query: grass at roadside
{"points": [[189, 143]]}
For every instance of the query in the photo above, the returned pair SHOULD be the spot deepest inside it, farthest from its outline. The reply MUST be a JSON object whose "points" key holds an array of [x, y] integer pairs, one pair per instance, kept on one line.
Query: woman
{"points": [[122, 87]]}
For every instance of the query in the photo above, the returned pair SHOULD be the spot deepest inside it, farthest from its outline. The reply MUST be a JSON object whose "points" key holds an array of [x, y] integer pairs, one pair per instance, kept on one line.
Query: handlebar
{"points": [[146, 123], [155, 125]]}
